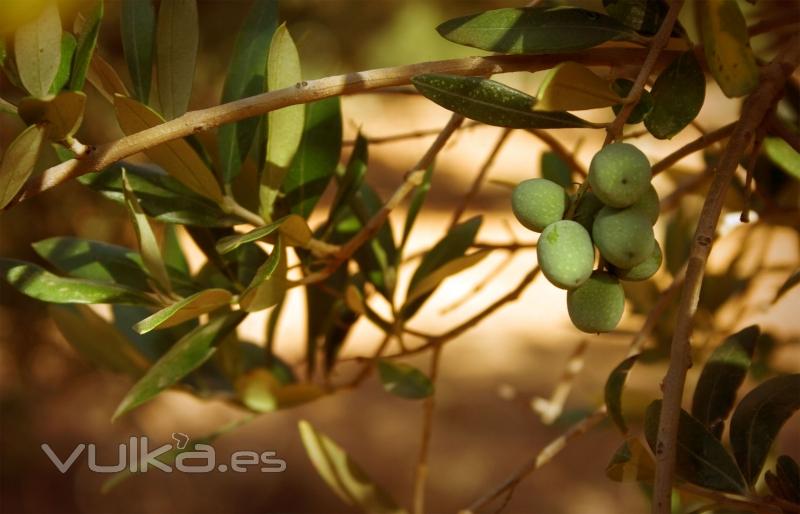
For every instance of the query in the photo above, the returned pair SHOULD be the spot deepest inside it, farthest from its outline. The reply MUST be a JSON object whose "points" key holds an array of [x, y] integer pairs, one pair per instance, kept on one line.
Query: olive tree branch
{"points": [[754, 112], [310, 91]]}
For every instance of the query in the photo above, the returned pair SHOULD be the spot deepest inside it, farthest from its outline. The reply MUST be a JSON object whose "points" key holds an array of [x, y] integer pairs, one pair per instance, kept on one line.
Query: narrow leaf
{"points": [[246, 78], [68, 46], [645, 104], [269, 284], [700, 457], [18, 162], [60, 115], [534, 30], [138, 28], [677, 95], [457, 265], [613, 391], [37, 47], [757, 420], [415, 204], [404, 380], [723, 31], [177, 39], [785, 482], [260, 391], [722, 375], [230, 243], [492, 103], [573, 87], [176, 157], [644, 16], [285, 125], [343, 475], [554, 168], [791, 282], [31, 280], [148, 246], [105, 79], [97, 340], [186, 355], [314, 164], [783, 155], [173, 254], [87, 41], [185, 309], [631, 462]]}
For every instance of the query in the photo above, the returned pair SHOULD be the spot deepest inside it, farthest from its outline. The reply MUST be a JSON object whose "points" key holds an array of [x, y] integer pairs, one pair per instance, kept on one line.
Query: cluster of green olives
{"points": [[616, 214]]}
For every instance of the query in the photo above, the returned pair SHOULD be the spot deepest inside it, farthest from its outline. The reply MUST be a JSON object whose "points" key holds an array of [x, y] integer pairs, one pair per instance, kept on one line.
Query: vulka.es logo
{"points": [[136, 456]]}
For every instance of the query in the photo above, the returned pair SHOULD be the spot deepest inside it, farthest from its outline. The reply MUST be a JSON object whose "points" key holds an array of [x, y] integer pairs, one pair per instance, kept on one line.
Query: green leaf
{"points": [[269, 284], [94, 260], [785, 482], [188, 308], [176, 157], [148, 246], [722, 375], [246, 78], [31, 280], [97, 340], [723, 31], [644, 16], [350, 183], [613, 391], [700, 457], [68, 45], [161, 196], [261, 391], [229, 243], [18, 162], [554, 168], [453, 245], [377, 258], [87, 41], [645, 104], [757, 420], [285, 125], [186, 355], [314, 164], [492, 103], [434, 279], [783, 155], [60, 115], [534, 30], [177, 39], [678, 95], [173, 254], [573, 87], [415, 204], [791, 282], [37, 47], [404, 380], [631, 462], [343, 475], [138, 28]]}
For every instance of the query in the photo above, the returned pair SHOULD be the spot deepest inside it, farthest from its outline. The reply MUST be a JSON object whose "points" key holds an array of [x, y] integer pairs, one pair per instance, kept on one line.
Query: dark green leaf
{"points": [[556, 169], [783, 155], [678, 95], [314, 164], [18, 162], [722, 375], [785, 482], [161, 196], [630, 462], [97, 340], [68, 45], [453, 245], [186, 355], [613, 391], [492, 103], [38, 283], [377, 258], [700, 457], [403, 380], [94, 260], [87, 41], [643, 106], [791, 282], [757, 420], [343, 475], [415, 204], [352, 179], [644, 16], [173, 255], [246, 78], [177, 39], [153, 344], [534, 30], [138, 29]]}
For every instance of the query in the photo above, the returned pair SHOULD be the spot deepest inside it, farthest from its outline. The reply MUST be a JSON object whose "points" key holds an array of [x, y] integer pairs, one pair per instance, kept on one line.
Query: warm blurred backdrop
{"points": [[484, 425]]}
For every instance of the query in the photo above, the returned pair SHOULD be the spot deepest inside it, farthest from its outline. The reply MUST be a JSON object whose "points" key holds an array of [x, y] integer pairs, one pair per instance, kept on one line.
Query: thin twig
{"points": [[696, 145], [560, 150], [549, 409], [414, 134], [755, 108], [421, 473]]}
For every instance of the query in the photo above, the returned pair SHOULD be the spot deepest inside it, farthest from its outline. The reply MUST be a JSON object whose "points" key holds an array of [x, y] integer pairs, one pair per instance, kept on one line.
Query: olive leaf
{"points": [[644, 16], [404, 380], [790, 282], [785, 482], [87, 41], [631, 462], [613, 391], [343, 475], [677, 95], [492, 103], [138, 28], [573, 87], [246, 78], [18, 162], [37, 48], [534, 30], [434, 279], [261, 391], [60, 115], [783, 155], [757, 420], [285, 125], [293, 227], [177, 39], [269, 284], [105, 79], [185, 309], [415, 204], [68, 46]]}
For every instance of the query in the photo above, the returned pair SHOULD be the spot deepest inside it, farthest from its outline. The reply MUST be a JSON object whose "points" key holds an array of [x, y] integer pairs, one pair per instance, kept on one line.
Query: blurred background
{"points": [[484, 424]]}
